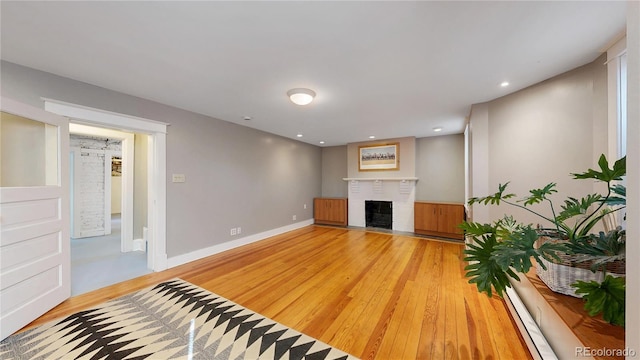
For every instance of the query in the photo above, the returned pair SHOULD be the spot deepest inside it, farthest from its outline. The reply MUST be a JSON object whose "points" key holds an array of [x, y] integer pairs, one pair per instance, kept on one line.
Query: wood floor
{"points": [[373, 295]]}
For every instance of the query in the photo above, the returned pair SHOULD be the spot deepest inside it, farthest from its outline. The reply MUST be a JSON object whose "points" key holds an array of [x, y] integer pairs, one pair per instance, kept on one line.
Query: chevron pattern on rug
{"points": [[174, 319]]}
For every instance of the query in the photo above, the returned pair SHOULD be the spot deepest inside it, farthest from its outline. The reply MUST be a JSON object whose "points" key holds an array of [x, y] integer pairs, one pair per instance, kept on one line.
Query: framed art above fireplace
{"points": [[379, 157]]}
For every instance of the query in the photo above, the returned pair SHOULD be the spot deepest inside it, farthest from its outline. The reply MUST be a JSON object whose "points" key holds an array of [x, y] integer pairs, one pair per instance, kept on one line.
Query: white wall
{"points": [[540, 135], [116, 194], [632, 329], [479, 160]]}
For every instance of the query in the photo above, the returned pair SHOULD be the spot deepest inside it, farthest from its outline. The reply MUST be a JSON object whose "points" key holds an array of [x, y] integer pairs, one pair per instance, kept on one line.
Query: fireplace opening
{"points": [[378, 214]]}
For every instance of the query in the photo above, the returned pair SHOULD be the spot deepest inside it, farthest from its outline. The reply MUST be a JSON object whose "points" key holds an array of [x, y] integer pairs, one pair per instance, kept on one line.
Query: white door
{"points": [[34, 214]]}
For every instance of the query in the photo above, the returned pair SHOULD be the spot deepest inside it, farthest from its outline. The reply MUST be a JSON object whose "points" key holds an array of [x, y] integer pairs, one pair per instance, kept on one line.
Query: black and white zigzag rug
{"points": [[171, 320]]}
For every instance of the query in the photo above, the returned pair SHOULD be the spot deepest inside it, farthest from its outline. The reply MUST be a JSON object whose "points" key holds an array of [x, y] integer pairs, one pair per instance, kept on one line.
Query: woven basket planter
{"points": [[559, 276]]}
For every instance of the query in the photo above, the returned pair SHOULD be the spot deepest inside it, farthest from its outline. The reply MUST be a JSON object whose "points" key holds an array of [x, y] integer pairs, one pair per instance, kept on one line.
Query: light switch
{"points": [[178, 178]]}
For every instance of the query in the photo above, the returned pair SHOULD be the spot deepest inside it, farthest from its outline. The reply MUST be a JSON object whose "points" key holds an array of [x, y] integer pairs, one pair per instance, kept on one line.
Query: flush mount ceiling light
{"points": [[437, 129], [504, 84], [301, 96]]}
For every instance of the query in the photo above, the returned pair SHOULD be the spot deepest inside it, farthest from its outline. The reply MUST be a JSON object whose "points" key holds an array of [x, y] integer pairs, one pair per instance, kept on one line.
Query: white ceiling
{"points": [[389, 69]]}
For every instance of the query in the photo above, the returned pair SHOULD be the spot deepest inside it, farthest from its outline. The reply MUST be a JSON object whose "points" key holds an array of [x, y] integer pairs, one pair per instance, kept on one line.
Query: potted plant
{"points": [[500, 250]]}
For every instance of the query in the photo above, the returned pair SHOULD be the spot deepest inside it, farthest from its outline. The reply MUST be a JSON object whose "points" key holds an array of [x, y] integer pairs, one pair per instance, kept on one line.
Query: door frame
{"points": [[157, 198]]}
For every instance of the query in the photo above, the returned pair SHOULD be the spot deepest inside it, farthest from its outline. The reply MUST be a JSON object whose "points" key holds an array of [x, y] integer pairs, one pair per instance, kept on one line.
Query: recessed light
{"points": [[372, 137], [437, 129], [247, 118], [504, 84], [299, 135], [321, 142]]}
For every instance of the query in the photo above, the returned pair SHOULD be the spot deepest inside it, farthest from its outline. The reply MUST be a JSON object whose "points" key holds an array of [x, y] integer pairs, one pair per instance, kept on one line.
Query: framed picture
{"points": [[379, 157], [116, 166]]}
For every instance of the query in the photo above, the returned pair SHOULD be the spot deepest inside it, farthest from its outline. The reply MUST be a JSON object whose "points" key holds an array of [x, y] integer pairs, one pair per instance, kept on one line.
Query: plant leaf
{"points": [[493, 199], [483, 270], [605, 174], [607, 298], [577, 207], [601, 249], [476, 229], [518, 248], [621, 199], [539, 195]]}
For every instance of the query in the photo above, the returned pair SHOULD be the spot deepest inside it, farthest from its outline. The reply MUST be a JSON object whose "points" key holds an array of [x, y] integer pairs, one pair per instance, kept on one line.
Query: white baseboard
{"points": [[218, 248], [538, 345], [139, 245], [91, 233]]}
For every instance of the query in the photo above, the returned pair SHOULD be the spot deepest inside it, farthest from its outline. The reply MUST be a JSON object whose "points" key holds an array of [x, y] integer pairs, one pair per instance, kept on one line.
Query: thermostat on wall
{"points": [[178, 178]]}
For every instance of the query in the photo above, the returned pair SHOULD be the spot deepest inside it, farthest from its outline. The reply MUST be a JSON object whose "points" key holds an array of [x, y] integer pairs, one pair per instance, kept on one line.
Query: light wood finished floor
{"points": [[373, 295]]}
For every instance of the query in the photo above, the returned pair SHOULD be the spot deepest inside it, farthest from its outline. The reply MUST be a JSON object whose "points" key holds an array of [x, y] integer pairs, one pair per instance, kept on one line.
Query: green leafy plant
{"points": [[606, 298], [483, 269], [502, 249]]}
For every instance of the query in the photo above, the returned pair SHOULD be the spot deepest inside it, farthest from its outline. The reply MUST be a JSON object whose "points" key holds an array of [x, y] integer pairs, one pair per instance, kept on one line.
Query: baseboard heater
{"points": [[536, 342]]}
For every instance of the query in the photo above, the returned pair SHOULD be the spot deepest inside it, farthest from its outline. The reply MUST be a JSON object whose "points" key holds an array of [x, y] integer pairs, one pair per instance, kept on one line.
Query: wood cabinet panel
{"points": [[330, 211], [426, 216], [449, 217], [439, 219]]}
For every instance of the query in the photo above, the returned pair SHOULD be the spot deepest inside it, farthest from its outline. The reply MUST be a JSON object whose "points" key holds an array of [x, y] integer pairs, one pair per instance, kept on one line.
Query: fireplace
{"points": [[399, 192], [378, 214]]}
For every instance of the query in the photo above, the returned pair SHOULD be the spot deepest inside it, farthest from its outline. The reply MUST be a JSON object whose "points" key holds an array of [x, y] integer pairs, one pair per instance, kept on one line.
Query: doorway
{"points": [[108, 206], [156, 170]]}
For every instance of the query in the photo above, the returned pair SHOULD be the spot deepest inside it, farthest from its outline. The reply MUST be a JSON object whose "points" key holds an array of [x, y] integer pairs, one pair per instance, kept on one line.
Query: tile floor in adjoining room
{"points": [[97, 261]]}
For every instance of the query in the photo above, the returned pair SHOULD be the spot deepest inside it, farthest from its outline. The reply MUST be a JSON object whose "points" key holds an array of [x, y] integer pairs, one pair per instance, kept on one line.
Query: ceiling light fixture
{"points": [[321, 142], [504, 84], [301, 96], [372, 137], [299, 135], [437, 129]]}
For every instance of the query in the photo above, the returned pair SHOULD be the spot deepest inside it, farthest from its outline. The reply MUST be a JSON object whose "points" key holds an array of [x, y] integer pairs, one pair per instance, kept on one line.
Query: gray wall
{"points": [[438, 163], [407, 159], [235, 176], [440, 168], [334, 169], [539, 135]]}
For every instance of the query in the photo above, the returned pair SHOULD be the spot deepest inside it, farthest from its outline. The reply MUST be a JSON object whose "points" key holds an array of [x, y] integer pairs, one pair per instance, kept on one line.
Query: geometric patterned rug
{"points": [[171, 320]]}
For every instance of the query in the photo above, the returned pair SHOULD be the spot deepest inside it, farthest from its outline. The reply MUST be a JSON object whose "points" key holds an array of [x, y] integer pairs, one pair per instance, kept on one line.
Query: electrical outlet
{"points": [[233, 231], [294, 217], [239, 230]]}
